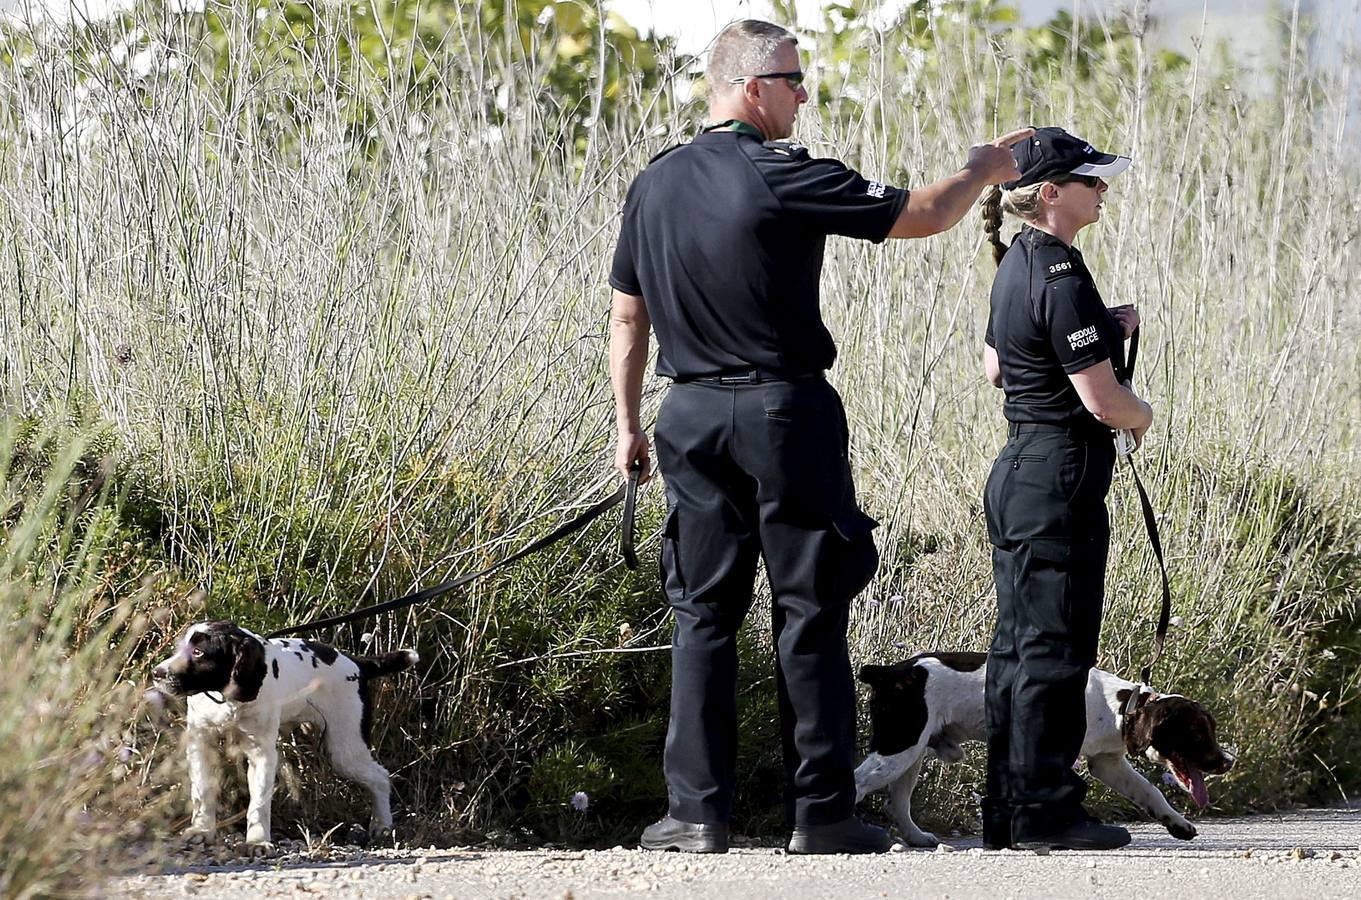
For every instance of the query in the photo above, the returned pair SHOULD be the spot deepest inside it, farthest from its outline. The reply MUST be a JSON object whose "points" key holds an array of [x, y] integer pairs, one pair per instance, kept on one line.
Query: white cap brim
{"points": [[1117, 165]]}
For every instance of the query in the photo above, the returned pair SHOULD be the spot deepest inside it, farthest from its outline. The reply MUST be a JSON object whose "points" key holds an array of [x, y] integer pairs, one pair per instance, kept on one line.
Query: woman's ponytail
{"points": [[992, 222]]}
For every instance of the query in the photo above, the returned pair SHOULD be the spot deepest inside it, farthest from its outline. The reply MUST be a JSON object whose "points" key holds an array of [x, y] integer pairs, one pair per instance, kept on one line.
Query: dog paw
{"points": [[920, 838], [1182, 830], [259, 849], [199, 837]]}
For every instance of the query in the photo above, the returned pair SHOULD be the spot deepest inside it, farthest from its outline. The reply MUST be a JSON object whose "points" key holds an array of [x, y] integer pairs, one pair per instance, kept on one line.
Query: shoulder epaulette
{"points": [[787, 148], [1060, 269], [664, 152]]}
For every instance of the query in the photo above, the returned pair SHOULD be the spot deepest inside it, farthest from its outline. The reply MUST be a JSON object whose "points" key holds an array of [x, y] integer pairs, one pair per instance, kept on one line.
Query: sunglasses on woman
{"points": [[1090, 180]]}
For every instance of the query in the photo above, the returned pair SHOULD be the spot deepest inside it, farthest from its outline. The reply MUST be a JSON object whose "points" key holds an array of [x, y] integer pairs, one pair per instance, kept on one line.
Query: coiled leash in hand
{"points": [[627, 493], [1151, 526]]}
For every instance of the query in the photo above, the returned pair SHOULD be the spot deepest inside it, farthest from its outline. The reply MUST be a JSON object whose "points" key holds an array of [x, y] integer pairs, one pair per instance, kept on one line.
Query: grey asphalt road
{"points": [[1309, 854]]}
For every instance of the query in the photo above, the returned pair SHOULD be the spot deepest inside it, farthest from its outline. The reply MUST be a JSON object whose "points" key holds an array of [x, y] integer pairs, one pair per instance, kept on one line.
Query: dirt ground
{"points": [[1310, 854]]}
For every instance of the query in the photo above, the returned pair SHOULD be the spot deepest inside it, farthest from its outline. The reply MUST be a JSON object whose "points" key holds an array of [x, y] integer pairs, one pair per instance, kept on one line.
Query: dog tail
{"points": [[387, 664]]}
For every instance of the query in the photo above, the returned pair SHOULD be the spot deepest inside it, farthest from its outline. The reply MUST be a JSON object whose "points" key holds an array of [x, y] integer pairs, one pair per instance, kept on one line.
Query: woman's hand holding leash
{"points": [[1128, 318]]}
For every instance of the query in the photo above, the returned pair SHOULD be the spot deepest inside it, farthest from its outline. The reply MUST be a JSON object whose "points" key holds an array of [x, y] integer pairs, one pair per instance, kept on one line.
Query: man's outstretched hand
{"points": [[994, 160]]}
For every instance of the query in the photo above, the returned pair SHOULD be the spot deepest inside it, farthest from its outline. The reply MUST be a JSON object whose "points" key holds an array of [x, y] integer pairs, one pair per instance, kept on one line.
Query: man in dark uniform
{"points": [[1059, 354], [720, 251]]}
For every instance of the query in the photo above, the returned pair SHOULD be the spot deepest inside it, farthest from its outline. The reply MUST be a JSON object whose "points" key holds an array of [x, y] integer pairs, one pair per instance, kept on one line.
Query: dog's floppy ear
{"points": [[248, 669], [1138, 726], [873, 675]]}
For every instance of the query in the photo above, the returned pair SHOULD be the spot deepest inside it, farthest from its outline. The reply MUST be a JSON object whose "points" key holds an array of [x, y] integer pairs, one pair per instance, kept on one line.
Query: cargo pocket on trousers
{"points": [[673, 582], [860, 558], [1049, 594]]}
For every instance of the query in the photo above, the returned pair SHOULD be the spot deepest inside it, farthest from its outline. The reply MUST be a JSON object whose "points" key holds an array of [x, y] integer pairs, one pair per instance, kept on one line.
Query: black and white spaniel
{"points": [[933, 702], [235, 679]]}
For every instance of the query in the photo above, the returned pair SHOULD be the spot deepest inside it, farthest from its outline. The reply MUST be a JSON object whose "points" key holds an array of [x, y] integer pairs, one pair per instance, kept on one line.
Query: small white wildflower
{"points": [[261, 14], [142, 63], [366, 637], [896, 598], [125, 755], [1176, 621], [871, 602], [580, 801]]}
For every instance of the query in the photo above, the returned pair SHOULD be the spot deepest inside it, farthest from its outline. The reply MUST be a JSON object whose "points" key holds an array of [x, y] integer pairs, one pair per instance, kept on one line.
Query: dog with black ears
{"points": [[933, 702], [236, 680]]}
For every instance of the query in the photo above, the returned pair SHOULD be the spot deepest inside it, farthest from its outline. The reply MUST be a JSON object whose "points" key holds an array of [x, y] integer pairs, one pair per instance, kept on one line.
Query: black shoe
{"points": [[997, 817], [850, 835], [1084, 834], [688, 837]]}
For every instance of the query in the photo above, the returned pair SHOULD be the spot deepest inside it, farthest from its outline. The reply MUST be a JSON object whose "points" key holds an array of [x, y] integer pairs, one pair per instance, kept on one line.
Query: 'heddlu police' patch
{"points": [[1082, 337]]}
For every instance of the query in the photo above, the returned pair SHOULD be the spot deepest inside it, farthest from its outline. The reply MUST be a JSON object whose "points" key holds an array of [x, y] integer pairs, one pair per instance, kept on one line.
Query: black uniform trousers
{"points": [[760, 469], [1050, 532]]}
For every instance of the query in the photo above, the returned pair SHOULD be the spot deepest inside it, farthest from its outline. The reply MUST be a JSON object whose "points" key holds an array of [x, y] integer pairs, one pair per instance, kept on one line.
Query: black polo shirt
{"points": [[1047, 322], [723, 238]]}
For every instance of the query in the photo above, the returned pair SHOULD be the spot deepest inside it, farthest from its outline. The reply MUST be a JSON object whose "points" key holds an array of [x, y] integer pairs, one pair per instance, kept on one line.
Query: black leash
{"points": [[627, 493], [1151, 526]]}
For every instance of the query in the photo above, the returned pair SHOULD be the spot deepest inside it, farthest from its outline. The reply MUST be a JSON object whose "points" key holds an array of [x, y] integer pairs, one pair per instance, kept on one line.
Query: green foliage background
{"points": [[316, 292]]}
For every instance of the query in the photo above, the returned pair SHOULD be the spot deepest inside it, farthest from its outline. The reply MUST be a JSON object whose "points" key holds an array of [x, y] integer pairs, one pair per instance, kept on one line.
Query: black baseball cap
{"points": [[1052, 152]]}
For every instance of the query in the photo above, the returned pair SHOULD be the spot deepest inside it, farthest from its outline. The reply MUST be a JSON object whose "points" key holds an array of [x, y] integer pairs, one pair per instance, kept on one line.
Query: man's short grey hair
{"points": [[744, 48]]}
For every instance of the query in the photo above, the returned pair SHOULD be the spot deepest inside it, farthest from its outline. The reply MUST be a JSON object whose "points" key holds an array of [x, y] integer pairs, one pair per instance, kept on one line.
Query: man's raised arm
{"points": [[939, 207]]}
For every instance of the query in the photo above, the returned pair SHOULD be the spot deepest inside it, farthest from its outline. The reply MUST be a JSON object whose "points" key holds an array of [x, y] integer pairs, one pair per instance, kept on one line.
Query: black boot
{"points": [[850, 835], [688, 837], [997, 824], [1083, 833]]}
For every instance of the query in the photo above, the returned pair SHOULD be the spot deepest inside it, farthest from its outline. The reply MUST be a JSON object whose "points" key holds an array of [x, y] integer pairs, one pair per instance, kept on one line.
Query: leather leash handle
{"points": [[630, 502]]}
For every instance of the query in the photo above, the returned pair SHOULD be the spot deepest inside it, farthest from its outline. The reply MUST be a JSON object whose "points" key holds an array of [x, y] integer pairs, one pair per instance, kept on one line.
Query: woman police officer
{"points": [[1058, 354]]}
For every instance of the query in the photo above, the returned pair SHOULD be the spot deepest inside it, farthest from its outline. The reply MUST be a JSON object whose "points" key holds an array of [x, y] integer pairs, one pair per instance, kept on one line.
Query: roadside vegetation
{"points": [[303, 305]]}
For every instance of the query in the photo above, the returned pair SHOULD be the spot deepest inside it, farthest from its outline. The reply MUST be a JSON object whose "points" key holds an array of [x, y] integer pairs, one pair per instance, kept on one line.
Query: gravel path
{"points": [[1311, 854]]}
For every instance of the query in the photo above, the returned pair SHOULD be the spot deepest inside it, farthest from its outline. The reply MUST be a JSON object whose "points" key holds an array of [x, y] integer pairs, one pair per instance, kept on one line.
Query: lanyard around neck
{"points": [[736, 125]]}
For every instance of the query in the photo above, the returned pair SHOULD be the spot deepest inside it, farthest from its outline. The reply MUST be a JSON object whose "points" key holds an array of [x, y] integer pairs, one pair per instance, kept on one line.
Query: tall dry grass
{"points": [[342, 359]]}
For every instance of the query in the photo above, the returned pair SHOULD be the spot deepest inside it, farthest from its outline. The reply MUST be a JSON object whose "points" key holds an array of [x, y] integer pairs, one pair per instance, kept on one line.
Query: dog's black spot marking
{"points": [[298, 653], [960, 662], [897, 705], [376, 667], [314, 660], [325, 652], [274, 664], [351, 677]]}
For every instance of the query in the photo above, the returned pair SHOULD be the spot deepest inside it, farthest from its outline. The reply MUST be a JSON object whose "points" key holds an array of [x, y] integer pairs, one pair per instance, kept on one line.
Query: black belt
{"points": [[1084, 432], [753, 375]]}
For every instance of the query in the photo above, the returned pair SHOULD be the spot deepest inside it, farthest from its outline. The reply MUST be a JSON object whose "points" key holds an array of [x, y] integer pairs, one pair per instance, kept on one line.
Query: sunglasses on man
{"points": [[793, 79]]}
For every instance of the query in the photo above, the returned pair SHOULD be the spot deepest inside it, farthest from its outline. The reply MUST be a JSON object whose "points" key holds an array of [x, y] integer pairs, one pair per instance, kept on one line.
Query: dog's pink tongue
{"points": [[1199, 792]]}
